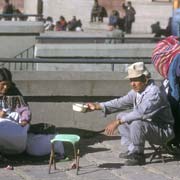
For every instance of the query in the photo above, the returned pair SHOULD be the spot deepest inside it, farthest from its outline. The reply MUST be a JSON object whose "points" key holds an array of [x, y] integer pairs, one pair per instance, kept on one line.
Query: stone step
{"points": [[149, 13], [93, 50]]}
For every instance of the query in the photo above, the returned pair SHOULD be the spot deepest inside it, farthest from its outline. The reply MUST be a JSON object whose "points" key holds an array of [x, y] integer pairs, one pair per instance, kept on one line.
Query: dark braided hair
{"points": [[13, 97], [14, 102], [5, 75]]}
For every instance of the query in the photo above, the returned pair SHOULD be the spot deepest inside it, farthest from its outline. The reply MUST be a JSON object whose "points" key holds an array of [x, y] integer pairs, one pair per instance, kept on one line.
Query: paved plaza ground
{"points": [[99, 160]]}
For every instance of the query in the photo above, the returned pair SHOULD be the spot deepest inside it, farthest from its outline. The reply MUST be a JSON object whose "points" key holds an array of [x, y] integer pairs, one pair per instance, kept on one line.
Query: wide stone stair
{"points": [[147, 13]]}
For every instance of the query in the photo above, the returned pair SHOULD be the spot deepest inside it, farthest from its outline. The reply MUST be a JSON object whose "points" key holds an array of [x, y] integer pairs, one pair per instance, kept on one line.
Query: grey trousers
{"points": [[137, 132]]}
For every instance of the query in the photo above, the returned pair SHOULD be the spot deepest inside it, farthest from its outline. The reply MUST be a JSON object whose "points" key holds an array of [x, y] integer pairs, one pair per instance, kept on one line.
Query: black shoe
{"points": [[173, 148], [135, 159], [124, 155]]}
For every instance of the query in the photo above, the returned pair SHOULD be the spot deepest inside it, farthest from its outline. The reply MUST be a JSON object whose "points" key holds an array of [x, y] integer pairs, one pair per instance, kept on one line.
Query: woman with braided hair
{"points": [[15, 116]]}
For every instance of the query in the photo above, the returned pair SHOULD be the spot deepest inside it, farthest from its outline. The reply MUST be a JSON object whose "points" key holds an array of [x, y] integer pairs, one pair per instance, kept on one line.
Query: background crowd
{"points": [[122, 18], [62, 24]]}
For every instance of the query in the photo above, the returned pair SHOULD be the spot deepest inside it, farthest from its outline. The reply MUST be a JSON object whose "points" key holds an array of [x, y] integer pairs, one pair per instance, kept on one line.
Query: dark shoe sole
{"points": [[124, 155], [132, 162]]}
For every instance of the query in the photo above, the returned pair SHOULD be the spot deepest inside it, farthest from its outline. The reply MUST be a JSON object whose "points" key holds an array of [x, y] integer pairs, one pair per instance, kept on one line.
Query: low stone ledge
{"points": [[93, 50], [21, 27]]}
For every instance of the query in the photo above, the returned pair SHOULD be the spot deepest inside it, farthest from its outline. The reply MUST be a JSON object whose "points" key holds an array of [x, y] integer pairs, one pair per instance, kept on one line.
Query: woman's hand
{"points": [[23, 123], [2, 113], [111, 127]]}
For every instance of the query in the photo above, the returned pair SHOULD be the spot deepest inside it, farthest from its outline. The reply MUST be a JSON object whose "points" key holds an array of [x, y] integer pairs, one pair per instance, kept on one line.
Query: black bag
{"points": [[42, 128]]}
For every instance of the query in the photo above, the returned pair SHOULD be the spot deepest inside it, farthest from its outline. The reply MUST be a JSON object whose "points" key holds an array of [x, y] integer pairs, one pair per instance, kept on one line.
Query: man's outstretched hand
{"points": [[111, 127], [93, 106]]}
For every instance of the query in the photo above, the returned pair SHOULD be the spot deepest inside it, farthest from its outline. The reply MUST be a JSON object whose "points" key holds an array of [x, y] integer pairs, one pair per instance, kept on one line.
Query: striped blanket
{"points": [[164, 53]]}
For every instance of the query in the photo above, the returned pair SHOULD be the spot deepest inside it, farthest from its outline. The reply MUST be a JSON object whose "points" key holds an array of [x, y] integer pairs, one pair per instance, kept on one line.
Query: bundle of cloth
{"points": [[166, 60]]}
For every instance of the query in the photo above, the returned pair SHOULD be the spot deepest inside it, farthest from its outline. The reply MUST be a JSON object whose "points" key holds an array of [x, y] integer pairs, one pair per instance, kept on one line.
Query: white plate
{"points": [[79, 107]]}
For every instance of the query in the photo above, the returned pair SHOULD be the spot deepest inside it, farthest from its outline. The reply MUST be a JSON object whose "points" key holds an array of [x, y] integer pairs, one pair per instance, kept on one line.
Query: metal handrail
{"points": [[79, 60], [25, 53], [32, 63], [16, 15], [122, 39], [162, 1], [169, 1]]}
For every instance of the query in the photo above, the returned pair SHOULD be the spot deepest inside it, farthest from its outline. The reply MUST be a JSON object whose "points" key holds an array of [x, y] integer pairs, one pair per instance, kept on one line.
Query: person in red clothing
{"points": [[61, 24]]}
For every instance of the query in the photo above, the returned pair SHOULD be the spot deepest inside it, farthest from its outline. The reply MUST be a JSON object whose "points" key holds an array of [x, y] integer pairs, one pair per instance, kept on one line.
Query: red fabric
{"points": [[163, 54]]}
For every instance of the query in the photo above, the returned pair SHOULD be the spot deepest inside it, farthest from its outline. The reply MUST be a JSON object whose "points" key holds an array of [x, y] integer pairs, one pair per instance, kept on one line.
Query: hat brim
{"points": [[131, 77]]}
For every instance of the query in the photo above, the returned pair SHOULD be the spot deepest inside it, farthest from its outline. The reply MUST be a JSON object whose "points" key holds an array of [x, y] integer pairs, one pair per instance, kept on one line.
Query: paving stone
{"points": [[10, 175], [139, 173], [99, 160], [169, 170], [37, 172]]}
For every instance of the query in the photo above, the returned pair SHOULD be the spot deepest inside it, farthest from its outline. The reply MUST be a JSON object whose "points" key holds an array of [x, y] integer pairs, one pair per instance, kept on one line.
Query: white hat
{"points": [[137, 69]]}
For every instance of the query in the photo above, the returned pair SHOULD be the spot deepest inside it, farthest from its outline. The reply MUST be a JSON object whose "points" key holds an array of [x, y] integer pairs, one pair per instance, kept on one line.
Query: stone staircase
{"points": [[147, 13]]}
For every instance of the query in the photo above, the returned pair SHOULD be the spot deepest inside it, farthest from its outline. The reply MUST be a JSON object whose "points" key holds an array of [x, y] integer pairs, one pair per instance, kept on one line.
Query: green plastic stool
{"points": [[71, 138]]}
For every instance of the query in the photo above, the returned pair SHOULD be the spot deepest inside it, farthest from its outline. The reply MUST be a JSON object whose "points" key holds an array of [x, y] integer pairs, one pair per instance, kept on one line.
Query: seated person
{"points": [[150, 117], [15, 116], [61, 24], [113, 18], [73, 24], [98, 12], [169, 27], [79, 25], [48, 25], [158, 31]]}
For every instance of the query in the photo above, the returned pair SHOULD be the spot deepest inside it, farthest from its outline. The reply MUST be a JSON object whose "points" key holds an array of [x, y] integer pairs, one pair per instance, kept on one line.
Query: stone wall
{"points": [[16, 36], [68, 88]]}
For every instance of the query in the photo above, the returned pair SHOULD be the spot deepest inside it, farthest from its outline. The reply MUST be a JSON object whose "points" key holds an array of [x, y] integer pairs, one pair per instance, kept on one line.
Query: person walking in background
{"points": [[115, 33], [130, 17], [95, 11], [7, 9]]}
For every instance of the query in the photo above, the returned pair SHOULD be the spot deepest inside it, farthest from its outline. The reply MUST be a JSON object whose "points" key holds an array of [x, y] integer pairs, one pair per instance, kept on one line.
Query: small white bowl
{"points": [[79, 107]]}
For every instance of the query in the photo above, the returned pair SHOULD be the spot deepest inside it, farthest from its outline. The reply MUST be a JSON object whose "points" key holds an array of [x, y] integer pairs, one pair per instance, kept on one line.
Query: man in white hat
{"points": [[150, 117]]}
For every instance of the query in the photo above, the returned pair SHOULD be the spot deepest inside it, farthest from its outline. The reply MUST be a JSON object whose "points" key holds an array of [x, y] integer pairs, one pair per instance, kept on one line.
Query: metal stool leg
{"points": [[77, 161], [52, 158], [157, 152], [71, 138]]}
